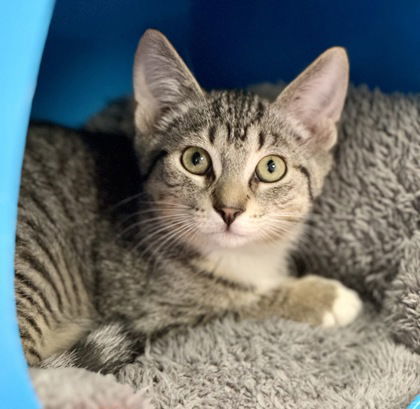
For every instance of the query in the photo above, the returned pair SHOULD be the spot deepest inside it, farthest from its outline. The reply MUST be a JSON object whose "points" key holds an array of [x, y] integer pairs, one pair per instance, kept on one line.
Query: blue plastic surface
{"points": [[415, 404], [23, 28]]}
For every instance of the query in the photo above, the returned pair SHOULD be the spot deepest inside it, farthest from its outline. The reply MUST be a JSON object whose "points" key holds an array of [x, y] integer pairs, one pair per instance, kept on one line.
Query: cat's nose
{"points": [[229, 214]]}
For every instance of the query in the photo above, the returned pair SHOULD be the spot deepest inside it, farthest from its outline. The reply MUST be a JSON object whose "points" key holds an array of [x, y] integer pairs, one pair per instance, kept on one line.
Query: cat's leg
{"points": [[43, 329], [105, 349], [52, 303], [312, 299]]}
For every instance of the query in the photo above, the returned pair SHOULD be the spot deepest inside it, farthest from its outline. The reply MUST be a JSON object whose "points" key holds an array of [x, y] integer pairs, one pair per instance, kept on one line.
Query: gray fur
{"points": [[115, 229], [105, 349]]}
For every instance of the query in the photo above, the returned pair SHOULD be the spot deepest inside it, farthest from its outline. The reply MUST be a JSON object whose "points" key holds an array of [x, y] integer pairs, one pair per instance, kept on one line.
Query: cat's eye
{"points": [[196, 160], [271, 169]]}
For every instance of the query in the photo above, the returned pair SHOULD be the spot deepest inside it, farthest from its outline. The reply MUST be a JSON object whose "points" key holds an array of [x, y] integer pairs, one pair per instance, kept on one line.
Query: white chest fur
{"points": [[260, 266]]}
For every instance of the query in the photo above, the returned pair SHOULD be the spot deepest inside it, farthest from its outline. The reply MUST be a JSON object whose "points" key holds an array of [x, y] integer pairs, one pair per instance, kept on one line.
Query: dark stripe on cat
{"points": [[161, 154], [72, 278], [40, 205], [51, 259], [261, 140], [225, 282], [59, 194], [244, 134], [305, 172], [106, 349], [31, 351], [82, 278], [212, 134], [229, 131], [31, 321], [64, 275], [23, 280], [210, 176], [33, 304], [276, 138], [43, 271], [25, 336], [25, 219], [258, 114]]}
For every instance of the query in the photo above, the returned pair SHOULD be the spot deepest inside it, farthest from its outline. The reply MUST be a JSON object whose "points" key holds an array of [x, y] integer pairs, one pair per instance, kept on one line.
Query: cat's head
{"points": [[228, 169]]}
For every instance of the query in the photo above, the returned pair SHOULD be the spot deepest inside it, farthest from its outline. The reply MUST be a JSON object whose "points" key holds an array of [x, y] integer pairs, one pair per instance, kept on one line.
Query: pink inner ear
{"points": [[320, 99], [317, 96]]}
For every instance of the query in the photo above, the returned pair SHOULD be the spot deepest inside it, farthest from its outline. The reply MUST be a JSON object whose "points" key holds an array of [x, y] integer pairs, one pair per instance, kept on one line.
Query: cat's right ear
{"points": [[161, 79], [316, 98]]}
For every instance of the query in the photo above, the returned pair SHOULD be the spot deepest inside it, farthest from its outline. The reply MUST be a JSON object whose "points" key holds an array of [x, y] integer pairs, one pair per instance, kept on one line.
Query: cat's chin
{"points": [[227, 239]]}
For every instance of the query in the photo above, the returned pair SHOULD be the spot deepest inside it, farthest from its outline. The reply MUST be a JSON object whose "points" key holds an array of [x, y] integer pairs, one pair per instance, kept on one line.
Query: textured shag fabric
{"points": [[364, 231], [273, 364], [277, 364], [74, 388]]}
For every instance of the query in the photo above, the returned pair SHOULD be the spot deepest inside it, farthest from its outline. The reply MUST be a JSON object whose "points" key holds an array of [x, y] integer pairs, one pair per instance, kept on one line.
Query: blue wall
{"points": [[89, 52], [23, 28], [90, 47]]}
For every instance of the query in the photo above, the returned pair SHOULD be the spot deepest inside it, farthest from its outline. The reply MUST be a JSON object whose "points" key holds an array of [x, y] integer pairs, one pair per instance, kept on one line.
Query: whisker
{"points": [[168, 202], [170, 235], [285, 216], [189, 232], [124, 201], [171, 239], [137, 196], [158, 231], [145, 222], [149, 211]]}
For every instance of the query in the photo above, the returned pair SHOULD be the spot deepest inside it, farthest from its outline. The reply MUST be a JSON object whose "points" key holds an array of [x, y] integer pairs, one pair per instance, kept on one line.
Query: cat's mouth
{"points": [[229, 238], [230, 233]]}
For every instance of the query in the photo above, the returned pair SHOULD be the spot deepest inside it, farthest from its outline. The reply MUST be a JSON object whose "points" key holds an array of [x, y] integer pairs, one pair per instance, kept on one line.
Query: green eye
{"points": [[271, 169], [196, 160]]}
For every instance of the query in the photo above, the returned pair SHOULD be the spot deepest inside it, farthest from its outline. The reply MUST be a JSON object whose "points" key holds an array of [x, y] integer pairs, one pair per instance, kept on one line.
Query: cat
{"points": [[192, 217]]}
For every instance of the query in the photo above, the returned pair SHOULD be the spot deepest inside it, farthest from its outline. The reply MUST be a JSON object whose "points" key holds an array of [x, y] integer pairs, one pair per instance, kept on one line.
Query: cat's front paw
{"points": [[345, 307]]}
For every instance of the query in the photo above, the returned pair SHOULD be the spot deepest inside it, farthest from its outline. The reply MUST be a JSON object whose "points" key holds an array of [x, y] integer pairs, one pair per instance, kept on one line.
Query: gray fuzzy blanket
{"points": [[365, 231]]}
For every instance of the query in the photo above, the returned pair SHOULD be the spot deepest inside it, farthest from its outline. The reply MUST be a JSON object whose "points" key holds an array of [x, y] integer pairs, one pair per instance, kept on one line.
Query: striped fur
{"points": [[105, 349], [117, 241]]}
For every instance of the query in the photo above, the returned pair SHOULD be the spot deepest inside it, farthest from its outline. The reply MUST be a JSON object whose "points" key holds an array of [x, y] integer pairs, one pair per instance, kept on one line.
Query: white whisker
{"points": [[156, 220], [170, 235], [170, 240], [158, 231]]}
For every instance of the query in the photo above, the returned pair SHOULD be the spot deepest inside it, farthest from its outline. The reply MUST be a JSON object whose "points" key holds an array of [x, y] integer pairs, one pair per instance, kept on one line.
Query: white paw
{"points": [[345, 309]]}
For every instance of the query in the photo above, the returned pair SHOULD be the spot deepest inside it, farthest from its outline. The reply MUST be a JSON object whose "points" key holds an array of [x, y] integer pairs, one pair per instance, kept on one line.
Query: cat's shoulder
{"points": [[49, 138]]}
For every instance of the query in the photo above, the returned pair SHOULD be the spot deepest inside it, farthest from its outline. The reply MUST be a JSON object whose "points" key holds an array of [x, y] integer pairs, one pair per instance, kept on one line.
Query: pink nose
{"points": [[229, 214]]}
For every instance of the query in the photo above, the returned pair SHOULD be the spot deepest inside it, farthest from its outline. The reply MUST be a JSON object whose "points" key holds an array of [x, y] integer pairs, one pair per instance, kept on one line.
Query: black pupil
{"points": [[271, 166], [197, 158]]}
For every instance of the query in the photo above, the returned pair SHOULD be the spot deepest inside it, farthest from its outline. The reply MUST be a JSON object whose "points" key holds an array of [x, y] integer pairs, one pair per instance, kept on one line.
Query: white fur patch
{"points": [[346, 308], [263, 267]]}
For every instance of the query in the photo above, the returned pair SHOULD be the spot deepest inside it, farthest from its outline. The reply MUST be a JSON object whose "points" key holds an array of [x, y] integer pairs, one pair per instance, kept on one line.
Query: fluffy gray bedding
{"points": [[365, 231]]}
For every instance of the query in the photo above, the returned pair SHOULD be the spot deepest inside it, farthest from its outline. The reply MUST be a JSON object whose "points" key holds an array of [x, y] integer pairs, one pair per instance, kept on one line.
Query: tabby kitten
{"points": [[194, 216]]}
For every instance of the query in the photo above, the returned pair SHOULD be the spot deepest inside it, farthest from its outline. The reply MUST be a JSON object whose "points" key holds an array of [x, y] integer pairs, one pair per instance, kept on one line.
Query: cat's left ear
{"points": [[161, 79], [316, 98]]}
